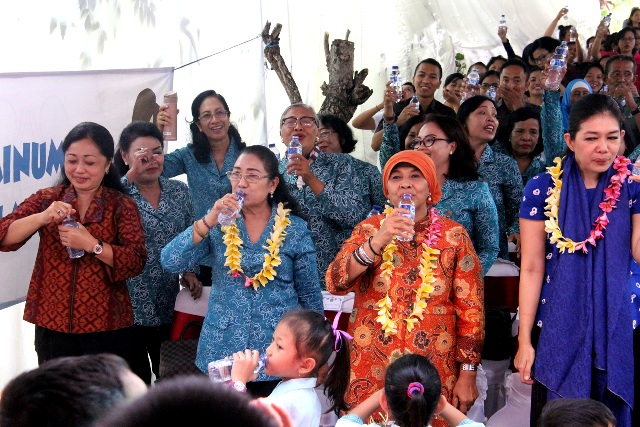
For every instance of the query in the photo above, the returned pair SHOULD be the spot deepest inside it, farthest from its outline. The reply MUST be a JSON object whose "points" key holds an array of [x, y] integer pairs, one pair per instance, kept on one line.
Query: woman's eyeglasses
{"points": [[427, 141], [305, 121], [325, 134], [207, 117], [251, 178]]}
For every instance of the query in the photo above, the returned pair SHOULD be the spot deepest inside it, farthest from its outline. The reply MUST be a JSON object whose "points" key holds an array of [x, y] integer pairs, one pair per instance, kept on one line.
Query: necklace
{"points": [[428, 260], [611, 194], [233, 242]]}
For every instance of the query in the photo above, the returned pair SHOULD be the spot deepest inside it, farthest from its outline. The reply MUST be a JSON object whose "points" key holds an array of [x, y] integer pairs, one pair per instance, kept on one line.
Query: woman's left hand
{"points": [[465, 392], [244, 365], [189, 280], [76, 238]]}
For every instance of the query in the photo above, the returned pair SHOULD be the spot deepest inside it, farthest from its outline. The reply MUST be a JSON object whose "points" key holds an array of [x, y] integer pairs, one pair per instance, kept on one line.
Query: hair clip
{"points": [[413, 387], [338, 333]]}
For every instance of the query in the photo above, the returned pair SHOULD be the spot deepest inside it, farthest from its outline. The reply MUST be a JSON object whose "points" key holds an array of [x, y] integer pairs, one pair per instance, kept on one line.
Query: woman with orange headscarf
{"points": [[421, 296]]}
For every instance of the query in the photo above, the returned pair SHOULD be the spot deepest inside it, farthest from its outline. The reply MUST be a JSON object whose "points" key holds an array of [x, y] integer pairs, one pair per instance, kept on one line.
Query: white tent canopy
{"points": [[72, 35]]}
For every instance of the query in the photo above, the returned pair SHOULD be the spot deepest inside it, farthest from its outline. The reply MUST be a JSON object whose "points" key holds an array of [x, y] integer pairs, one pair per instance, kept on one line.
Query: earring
{"points": [[429, 199], [271, 194], [126, 164], [450, 153]]}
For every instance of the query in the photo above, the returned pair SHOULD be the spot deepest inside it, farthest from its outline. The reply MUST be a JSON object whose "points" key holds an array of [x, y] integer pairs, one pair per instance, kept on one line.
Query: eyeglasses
{"points": [[540, 59], [251, 178], [325, 134], [486, 86], [305, 121], [207, 117], [628, 39], [427, 141]]}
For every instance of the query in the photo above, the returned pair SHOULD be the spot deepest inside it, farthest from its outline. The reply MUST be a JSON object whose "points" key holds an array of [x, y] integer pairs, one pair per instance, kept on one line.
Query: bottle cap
{"points": [[171, 97]]}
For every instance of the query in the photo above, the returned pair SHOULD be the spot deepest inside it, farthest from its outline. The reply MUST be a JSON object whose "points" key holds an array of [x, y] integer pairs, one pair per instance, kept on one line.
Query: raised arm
{"points": [[365, 119], [554, 24]]}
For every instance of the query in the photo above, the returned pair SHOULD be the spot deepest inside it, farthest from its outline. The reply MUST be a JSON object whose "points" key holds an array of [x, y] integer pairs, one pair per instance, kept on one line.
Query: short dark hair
{"points": [[104, 141], [64, 392], [453, 77], [520, 115], [477, 63], [187, 400], [409, 84], [339, 126], [133, 131], [418, 408], [620, 34], [270, 162], [489, 73], [589, 65], [314, 337], [614, 58], [463, 164], [199, 141], [494, 59], [429, 61], [590, 105], [576, 413], [469, 106], [513, 62], [547, 43]]}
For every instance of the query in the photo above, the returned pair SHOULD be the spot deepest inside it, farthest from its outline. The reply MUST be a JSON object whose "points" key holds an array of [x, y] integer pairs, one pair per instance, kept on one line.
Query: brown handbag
{"points": [[178, 357]]}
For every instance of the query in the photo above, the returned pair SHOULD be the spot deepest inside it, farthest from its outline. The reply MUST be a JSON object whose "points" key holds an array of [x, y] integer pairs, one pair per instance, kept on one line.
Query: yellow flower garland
{"points": [[428, 261], [233, 242]]}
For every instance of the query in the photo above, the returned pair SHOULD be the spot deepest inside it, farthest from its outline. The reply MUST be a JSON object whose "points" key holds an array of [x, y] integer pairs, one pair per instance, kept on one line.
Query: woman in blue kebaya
{"points": [[165, 207], [264, 263], [215, 146]]}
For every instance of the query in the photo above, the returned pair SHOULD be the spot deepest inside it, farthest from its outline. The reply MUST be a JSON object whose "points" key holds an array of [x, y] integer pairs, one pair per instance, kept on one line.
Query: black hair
{"points": [[494, 59], [469, 106], [199, 141], [429, 61], [314, 337], [339, 126], [590, 40], [547, 43], [576, 413], [417, 410], [562, 31], [453, 77], [410, 84], [104, 141], [517, 63], [633, 10], [133, 131], [589, 65], [619, 58], [590, 105], [270, 163], [520, 115], [489, 73], [620, 34], [64, 392], [534, 69], [463, 164], [477, 63], [406, 128], [188, 400]]}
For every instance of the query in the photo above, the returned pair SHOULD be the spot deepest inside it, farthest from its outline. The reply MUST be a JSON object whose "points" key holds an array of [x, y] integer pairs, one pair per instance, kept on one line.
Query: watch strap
{"points": [[636, 111]]}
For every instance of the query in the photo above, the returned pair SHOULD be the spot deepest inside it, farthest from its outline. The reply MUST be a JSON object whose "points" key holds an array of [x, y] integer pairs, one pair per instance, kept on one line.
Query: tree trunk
{"points": [[345, 90]]}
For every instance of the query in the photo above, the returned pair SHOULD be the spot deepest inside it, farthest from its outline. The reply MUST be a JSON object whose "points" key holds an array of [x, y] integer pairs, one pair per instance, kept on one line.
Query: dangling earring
{"points": [[271, 194], [126, 163], [450, 153], [429, 199]]}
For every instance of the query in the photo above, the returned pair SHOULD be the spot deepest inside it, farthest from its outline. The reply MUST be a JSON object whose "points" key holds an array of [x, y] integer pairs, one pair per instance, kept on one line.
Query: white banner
{"points": [[37, 110]]}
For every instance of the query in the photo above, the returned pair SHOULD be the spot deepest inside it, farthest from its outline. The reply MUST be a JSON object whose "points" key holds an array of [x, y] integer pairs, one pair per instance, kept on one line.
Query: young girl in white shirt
{"points": [[411, 397], [301, 347]]}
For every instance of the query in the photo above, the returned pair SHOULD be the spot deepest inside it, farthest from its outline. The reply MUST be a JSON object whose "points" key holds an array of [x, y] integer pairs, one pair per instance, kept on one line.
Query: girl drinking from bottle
{"points": [[302, 344]]}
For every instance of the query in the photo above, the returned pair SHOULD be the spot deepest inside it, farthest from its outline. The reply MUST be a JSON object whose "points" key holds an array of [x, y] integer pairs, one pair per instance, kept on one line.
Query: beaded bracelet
{"points": [[197, 230], [371, 247], [204, 221]]}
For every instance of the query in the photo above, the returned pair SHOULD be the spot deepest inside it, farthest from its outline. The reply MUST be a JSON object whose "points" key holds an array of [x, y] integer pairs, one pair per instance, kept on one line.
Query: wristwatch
{"points": [[97, 249], [468, 367], [636, 111], [238, 386]]}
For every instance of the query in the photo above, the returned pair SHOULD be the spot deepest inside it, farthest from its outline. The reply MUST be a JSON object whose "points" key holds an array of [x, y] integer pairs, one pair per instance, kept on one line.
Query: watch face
{"points": [[97, 249], [239, 386]]}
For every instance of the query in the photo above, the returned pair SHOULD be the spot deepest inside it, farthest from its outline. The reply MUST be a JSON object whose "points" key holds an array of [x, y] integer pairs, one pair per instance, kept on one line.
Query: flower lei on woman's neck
{"points": [[427, 264], [232, 240], [611, 194]]}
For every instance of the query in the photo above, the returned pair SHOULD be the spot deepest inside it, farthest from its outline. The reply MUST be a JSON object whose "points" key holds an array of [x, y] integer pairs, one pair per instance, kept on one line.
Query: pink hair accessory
{"points": [[338, 333], [413, 387]]}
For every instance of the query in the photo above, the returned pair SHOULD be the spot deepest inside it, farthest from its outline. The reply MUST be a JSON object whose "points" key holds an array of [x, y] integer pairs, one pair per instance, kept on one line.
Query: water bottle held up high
{"points": [[491, 93], [406, 202], [503, 23], [555, 71], [573, 34], [607, 20], [220, 370], [227, 216], [73, 253], [415, 102], [565, 18], [294, 148], [375, 210], [274, 150], [396, 81], [472, 84], [564, 49]]}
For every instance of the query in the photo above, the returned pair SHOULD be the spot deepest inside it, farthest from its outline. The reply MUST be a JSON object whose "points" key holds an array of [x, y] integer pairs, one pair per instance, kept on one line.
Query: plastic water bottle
{"points": [[274, 150], [636, 168], [73, 253], [227, 216], [414, 101], [491, 93], [607, 20], [503, 23], [396, 81], [472, 84], [564, 48], [565, 18], [555, 71], [220, 370], [407, 203], [375, 210], [573, 34], [294, 148]]}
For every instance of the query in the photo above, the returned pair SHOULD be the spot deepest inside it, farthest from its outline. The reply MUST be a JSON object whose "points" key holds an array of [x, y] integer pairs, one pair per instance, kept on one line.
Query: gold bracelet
{"points": [[197, 230]]}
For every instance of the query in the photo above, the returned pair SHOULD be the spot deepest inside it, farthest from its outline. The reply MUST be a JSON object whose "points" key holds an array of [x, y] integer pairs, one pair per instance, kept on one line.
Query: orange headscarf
{"points": [[424, 165]]}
